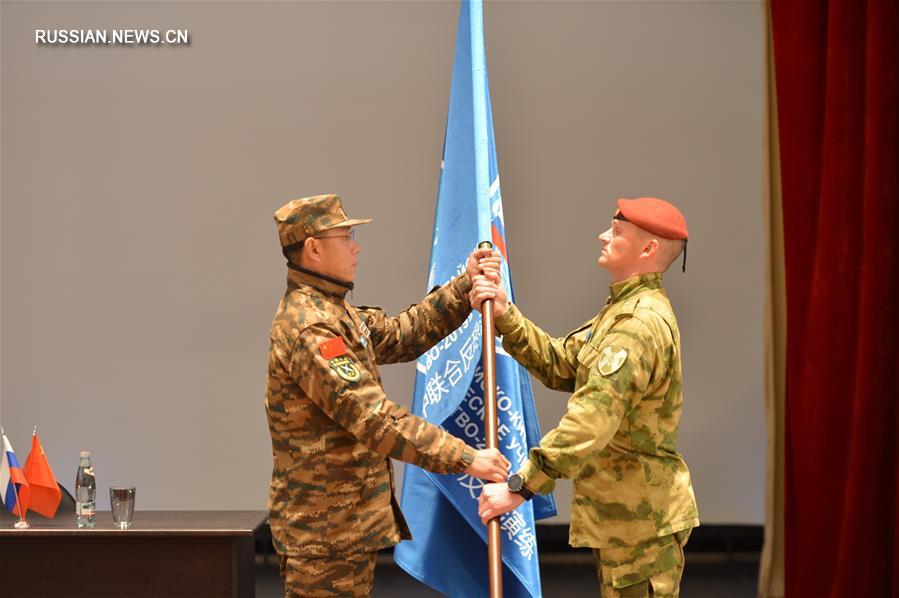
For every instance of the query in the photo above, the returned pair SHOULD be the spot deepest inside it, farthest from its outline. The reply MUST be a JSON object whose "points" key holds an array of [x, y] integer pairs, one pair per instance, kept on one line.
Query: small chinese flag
{"points": [[45, 494], [332, 348]]}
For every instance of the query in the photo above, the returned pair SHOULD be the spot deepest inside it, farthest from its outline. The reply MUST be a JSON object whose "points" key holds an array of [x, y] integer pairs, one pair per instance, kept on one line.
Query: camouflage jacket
{"points": [[333, 430], [617, 441]]}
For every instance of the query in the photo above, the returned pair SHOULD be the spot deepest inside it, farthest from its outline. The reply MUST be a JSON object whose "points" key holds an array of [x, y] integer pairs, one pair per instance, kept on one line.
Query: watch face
{"points": [[516, 482]]}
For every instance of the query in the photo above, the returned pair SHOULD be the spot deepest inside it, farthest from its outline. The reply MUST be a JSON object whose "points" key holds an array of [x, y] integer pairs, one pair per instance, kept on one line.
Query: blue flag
{"points": [[449, 549]]}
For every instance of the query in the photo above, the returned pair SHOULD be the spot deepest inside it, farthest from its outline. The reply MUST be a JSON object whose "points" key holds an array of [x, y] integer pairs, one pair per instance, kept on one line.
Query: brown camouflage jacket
{"points": [[333, 430], [617, 441]]}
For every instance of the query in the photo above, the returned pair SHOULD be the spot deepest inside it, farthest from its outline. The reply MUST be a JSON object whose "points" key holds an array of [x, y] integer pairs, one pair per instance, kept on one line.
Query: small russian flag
{"points": [[14, 488]]}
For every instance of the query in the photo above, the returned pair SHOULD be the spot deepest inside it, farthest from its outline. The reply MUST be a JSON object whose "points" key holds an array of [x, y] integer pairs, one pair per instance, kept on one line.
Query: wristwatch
{"points": [[516, 486]]}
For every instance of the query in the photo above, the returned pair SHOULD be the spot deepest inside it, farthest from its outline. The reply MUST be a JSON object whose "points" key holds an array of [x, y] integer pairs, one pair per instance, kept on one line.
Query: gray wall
{"points": [[140, 264]]}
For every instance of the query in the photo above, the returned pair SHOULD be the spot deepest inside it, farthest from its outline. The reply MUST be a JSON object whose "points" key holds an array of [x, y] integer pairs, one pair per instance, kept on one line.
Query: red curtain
{"points": [[838, 110]]}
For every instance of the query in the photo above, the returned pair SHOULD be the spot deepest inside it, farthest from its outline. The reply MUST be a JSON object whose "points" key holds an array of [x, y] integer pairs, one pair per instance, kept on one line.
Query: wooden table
{"points": [[165, 554]]}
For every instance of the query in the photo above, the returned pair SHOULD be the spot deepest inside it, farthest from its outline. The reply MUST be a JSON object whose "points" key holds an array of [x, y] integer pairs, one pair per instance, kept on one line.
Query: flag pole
{"points": [[491, 433], [21, 523]]}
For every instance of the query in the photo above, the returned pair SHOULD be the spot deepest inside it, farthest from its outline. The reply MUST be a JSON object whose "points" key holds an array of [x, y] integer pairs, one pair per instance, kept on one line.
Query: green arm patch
{"points": [[611, 359], [345, 368]]}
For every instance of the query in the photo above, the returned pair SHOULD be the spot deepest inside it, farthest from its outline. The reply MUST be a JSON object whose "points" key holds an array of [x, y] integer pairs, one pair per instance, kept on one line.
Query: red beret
{"points": [[655, 215]]}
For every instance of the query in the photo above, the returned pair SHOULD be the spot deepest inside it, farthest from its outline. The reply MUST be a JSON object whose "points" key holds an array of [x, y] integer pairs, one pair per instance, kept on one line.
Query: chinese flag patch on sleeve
{"points": [[332, 348]]}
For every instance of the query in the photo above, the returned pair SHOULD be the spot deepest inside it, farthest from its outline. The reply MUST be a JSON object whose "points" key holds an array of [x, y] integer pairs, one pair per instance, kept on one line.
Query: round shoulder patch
{"points": [[611, 359], [345, 368]]}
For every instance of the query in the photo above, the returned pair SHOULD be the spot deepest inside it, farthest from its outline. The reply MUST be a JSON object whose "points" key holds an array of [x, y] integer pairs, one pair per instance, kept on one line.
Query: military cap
{"points": [[655, 215], [306, 217]]}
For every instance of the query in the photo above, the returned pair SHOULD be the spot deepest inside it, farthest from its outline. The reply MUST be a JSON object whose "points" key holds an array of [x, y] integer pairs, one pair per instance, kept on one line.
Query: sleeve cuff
{"points": [[462, 283], [508, 322], [467, 458], [536, 479]]}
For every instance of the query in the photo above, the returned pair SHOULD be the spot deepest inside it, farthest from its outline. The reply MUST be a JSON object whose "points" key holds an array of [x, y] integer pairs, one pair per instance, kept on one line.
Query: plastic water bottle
{"points": [[85, 492]]}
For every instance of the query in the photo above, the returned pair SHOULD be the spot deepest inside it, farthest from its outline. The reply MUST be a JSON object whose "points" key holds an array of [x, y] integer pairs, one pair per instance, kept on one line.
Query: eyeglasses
{"points": [[348, 237]]}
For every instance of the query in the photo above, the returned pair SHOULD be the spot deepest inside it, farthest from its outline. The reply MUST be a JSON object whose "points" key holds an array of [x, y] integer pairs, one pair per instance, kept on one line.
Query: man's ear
{"points": [[312, 250], [651, 248]]}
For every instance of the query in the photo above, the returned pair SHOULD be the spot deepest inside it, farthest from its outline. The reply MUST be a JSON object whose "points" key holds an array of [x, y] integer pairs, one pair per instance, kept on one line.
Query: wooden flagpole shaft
{"points": [[491, 433]]}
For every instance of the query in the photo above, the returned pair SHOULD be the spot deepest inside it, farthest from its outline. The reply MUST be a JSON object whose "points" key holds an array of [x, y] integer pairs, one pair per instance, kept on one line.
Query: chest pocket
{"points": [[586, 359]]}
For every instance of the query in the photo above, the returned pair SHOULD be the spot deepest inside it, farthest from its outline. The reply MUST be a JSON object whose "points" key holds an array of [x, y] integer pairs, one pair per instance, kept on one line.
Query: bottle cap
{"points": [[85, 454]]}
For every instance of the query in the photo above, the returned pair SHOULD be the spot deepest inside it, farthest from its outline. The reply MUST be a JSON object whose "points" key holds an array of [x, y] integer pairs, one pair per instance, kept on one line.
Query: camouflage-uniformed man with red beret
{"points": [[633, 501], [331, 502]]}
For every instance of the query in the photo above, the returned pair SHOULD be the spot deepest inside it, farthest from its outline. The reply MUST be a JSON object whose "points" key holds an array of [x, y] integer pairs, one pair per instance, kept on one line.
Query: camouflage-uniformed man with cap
{"points": [[633, 501], [333, 431]]}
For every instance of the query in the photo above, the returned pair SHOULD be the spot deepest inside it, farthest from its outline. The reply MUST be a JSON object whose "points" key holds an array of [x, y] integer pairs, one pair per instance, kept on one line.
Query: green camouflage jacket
{"points": [[618, 440], [333, 429]]}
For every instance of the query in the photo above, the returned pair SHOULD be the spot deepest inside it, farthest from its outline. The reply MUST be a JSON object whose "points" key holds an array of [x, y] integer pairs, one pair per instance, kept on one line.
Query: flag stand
{"points": [[21, 523], [491, 434]]}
